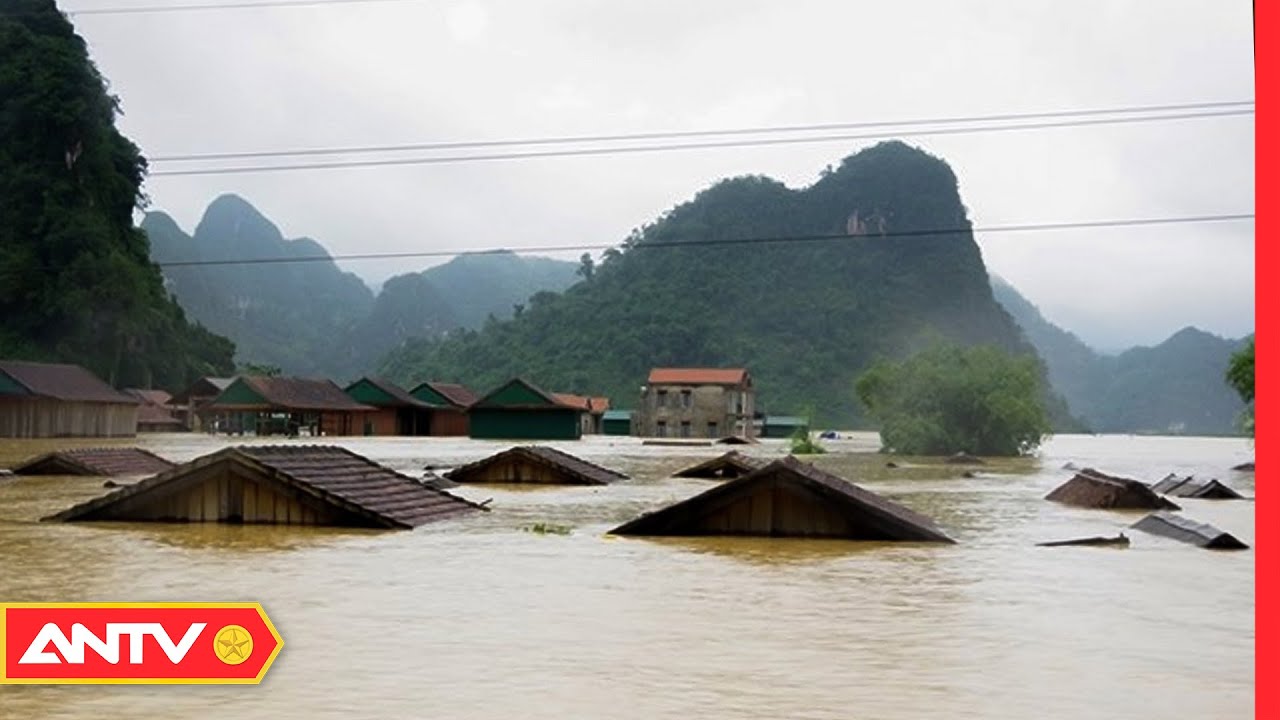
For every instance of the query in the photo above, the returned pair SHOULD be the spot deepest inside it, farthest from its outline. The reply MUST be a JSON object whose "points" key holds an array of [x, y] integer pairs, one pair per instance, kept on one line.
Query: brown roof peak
{"points": [[697, 376], [70, 383]]}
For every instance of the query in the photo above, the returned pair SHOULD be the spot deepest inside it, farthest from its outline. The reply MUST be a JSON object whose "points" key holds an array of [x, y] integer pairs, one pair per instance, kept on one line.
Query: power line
{"points": [[263, 4], [1036, 227], [621, 150], [582, 139]]}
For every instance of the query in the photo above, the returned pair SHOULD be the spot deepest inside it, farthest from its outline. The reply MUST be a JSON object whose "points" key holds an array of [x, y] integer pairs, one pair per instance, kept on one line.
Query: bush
{"points": [[950, 399]]}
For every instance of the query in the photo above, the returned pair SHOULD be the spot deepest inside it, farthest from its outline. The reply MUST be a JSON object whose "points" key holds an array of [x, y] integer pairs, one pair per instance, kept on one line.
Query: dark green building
{"points": [[617, 422], [520, 411], [783, 426]]}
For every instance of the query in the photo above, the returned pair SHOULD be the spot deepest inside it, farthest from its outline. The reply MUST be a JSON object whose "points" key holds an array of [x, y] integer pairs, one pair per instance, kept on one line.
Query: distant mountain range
{"points": [[311, 318], [1176, 387]]}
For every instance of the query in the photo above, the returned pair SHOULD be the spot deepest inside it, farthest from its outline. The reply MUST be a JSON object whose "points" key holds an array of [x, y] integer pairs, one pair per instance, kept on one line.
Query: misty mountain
{"points": [[1174, 387], [805, 317], [311, 318]]}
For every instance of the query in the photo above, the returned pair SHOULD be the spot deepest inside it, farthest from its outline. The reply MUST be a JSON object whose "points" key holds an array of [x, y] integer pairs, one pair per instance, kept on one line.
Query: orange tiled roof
{"points": [[577, 402], [697, 376]]}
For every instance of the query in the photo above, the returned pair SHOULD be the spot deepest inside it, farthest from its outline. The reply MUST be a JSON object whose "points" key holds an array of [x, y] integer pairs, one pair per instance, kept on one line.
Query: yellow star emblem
{"points": [[233, 644]]}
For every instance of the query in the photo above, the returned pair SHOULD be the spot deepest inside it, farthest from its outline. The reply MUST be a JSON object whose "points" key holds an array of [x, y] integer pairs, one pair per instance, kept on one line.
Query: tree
{"points": [[1240, 376], [76, 280], [587, 268], [949, 399]]}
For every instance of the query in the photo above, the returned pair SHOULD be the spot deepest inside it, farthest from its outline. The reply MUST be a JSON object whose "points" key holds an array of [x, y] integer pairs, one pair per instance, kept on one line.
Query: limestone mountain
{"points": [[893, 265], [1174, 387]]}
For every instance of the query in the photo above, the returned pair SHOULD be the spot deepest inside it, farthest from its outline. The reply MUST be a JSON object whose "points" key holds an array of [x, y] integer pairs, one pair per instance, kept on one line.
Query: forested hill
{"points": [[286, 314], [1177, 386], [76, 283], [806, 316], [311, 318]]}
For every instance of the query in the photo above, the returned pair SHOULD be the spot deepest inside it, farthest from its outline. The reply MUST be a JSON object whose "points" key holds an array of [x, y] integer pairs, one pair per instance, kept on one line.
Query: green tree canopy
{"points": [[76, 282], [949, 399], [1240, 377]]}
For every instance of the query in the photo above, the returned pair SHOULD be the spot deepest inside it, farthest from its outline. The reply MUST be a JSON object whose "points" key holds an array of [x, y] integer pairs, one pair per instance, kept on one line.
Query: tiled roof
{"points": [[70, 383], [300, 394], [577, 402], [575, 470], [353, 486], [95, 461], [697, 376]]}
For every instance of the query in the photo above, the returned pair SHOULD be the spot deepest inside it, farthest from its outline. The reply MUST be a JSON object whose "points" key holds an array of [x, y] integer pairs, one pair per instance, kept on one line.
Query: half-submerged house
{"points": [[696, 403], [788, 498], [154, 411], [518, 410], [286, 405], [1176, 527], [449, 403], [1092, 489], [534, 464], [277, 484], [44, 400], [95, 462], [729, 465], [397, 413], [1192, 487], [190, 405]]}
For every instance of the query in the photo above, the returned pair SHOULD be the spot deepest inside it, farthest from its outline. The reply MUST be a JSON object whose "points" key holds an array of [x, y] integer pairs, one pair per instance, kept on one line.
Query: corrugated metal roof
{"points": [[575, 470], [95, 461], [70, 383], [292, 393], [697, 376], [1092, 489], [1190, 487], [402, 397], [459, 395], [352, 485], [870, 515], [729, 465]]}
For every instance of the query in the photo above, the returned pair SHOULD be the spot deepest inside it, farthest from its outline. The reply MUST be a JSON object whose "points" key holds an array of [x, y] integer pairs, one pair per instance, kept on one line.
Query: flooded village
{"points": [[596, 564]]}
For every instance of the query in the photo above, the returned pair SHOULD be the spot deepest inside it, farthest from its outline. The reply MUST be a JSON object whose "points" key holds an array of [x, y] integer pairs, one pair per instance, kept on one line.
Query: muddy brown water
{"points": [[479, 618]]}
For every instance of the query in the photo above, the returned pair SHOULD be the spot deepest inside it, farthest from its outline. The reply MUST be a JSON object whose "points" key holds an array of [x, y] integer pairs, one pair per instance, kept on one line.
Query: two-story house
{"points": [[696, 403]]}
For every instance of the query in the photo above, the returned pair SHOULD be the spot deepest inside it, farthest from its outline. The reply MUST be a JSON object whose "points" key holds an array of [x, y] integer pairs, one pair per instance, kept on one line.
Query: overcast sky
{"points": [[441, 70]]}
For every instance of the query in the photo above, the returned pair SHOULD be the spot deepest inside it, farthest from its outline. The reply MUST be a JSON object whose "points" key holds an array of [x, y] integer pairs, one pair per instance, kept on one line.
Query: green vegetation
{"points": [[949, 399], [76, 283], [1240, 377], [1174, 387], [803, 443], [544, 528], [805, 317]]}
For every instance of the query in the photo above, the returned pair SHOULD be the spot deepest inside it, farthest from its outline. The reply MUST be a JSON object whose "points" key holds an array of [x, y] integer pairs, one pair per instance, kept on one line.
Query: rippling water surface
{"points": [[478, 618]]}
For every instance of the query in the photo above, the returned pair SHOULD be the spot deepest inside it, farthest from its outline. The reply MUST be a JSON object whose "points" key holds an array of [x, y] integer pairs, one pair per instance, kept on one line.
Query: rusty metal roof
{"points": [[729, 465], [70, 383], [697, 376], [370, 494], [95, 461], [575, 471], [871, 516], [1093, 489], [1190, 487]]}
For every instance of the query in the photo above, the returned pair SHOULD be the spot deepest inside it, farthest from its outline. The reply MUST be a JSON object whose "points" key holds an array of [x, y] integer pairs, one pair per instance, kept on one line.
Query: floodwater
{"points": [[479, 618]]}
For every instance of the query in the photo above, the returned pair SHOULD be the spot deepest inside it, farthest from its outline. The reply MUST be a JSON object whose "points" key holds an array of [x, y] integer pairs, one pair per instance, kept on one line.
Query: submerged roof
{"points": [[788, 498], [697, 376], [95, 461], [1179, 528], [573, 470], [1193, 488], [70, 383], [1092, 489], [289, 393], [729, 465], [354, 487], [203, 387], [154, 409]]}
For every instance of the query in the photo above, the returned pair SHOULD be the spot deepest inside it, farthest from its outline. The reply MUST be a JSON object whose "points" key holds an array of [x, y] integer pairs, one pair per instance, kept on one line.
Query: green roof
{"points": [[787, 420], [617, 414]]}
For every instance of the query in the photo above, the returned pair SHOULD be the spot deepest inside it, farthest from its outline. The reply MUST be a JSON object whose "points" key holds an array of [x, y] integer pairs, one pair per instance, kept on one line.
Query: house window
{"points": [[685, 427], [662, 428], [686, 399], [713, 430], [662, 398]]}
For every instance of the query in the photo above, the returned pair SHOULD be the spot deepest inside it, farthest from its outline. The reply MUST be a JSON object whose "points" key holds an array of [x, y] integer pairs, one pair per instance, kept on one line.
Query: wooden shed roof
{"points": [[95, 461], [285, 393], [1190, 487], [1179, 528], [729, 465], [70, 383], [865, 515], [575, 471], [1092, 489], [367, 493]]}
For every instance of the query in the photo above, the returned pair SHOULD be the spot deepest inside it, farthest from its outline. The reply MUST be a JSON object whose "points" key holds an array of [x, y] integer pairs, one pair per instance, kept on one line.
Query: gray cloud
{"points": [[475, 69]]}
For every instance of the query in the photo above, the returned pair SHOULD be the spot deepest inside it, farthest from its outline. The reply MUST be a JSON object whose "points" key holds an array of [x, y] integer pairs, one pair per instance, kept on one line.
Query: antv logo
{"points": [[204, 643]]}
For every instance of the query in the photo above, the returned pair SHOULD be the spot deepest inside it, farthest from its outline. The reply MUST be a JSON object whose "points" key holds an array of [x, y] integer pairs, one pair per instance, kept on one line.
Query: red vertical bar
{"points": [[1265, 38]]}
